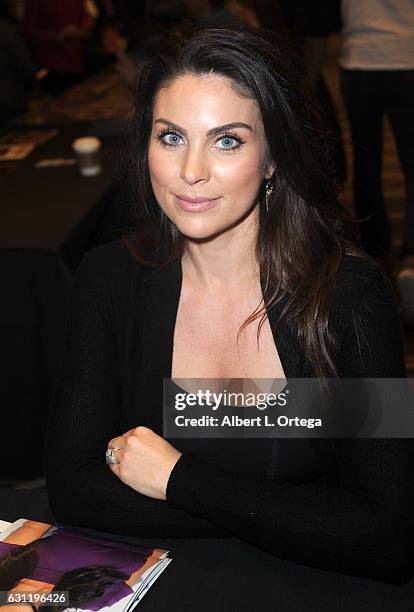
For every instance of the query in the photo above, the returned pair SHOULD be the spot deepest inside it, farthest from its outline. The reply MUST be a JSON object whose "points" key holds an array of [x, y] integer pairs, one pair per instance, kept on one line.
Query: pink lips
{"points": [[195, 204]]}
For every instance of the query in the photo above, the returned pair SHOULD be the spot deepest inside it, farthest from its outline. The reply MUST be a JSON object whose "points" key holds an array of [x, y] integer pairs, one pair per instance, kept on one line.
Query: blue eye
{"points": [[229, 142], [170, 138]]}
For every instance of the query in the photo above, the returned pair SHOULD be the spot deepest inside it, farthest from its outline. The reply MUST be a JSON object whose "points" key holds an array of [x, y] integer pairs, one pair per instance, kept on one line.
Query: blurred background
{"points": [[67, 75]]}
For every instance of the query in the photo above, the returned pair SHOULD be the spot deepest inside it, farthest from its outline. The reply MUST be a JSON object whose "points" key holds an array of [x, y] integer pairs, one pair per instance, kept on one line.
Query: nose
{"points": [[194, 165]]}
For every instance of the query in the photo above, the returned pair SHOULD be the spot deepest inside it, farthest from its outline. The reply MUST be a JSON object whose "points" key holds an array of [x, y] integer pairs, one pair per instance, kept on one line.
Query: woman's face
{"points": [[206, 155]]}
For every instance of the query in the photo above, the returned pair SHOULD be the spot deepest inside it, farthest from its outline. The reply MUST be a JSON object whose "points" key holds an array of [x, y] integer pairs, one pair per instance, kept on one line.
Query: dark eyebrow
{"points": [[212, 132]]}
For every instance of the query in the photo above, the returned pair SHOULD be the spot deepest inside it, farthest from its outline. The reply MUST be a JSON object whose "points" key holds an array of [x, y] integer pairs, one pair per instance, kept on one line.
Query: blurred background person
{"points": [[377, 78], [131, 31], [14, 9], [377, 61], [209, 13], [123, 30], [55, 32], [17, 70]]}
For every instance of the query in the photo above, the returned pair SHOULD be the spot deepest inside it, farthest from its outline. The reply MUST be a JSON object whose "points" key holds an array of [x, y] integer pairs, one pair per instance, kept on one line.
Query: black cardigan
{"points": [[345, 504]]}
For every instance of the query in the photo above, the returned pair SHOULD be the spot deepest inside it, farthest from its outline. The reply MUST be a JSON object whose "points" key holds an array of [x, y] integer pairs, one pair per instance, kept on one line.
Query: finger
{"points": [[118, 454], [128, 433], [117, 442]]}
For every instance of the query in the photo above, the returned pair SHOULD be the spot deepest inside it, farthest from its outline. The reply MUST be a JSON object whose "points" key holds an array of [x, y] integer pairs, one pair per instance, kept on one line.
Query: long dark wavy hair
{"points": [[18, 563], [85, 585], [304, 235]]}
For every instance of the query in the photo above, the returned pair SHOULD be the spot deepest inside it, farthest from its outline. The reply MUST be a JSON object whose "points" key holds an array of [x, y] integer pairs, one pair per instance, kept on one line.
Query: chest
{"points": [[207, 343]]}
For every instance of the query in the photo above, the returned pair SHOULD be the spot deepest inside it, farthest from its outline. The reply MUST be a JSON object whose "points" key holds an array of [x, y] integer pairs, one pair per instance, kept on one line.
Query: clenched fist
{"points": [[145, 461]]}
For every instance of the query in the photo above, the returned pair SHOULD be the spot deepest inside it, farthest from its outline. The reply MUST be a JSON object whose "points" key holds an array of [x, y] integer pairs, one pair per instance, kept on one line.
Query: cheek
{"points": [[161, 171], [240, 173]]}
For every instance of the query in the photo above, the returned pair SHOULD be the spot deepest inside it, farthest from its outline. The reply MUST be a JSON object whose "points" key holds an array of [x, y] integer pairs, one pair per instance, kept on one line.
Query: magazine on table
{"points": [[64, 567], [4, 525]]}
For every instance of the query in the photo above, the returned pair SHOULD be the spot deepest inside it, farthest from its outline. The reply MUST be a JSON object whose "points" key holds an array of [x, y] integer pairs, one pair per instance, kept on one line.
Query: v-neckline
{"points": [[163, 295]]}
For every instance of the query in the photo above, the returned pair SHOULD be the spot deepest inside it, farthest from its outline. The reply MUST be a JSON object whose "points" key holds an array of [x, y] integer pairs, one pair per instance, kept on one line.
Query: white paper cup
{"points": [[88, 155]]}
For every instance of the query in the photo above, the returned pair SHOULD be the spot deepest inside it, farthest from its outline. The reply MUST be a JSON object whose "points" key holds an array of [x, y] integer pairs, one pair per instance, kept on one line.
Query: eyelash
{"points": [[229, 134]]}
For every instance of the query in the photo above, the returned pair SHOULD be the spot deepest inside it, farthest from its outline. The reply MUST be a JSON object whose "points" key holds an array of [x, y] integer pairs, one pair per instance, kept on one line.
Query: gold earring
{"points": [[268, 193]]}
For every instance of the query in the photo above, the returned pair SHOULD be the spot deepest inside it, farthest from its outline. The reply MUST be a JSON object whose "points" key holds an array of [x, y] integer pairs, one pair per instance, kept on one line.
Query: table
{"points": [[233, 576], [55, 208]]}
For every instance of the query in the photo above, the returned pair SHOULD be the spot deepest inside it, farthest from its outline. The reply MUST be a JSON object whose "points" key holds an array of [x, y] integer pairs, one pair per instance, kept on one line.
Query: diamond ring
{"points": [[110, 457]]}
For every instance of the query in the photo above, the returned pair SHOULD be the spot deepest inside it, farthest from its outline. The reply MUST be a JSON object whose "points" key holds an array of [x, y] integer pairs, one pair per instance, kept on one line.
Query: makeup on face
{"points": [[206, 155]]}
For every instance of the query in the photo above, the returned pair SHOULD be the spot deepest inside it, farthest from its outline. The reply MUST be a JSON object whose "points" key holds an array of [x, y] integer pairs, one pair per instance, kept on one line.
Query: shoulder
{"points": [[108, 255], [110, 276], [366, 322], [112, 261], [361, 282]]}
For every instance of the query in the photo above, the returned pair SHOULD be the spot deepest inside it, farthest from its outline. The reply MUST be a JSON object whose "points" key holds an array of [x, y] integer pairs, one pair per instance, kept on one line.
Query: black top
{"points": [[343, 504]]}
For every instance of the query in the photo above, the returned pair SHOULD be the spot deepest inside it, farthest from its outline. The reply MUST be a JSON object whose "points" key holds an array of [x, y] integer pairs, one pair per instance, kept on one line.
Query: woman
{"points": [[235, 206]]}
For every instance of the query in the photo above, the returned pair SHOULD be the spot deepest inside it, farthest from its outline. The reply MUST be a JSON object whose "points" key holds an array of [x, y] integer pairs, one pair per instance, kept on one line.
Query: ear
{"points": [[270, 169]]}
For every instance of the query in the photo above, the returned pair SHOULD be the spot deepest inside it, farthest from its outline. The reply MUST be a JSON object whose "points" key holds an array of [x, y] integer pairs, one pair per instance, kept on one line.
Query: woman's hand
{"points": [[145, 461]]}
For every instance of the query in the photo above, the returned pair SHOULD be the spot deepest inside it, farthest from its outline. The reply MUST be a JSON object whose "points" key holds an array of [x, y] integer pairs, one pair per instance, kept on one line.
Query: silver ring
{"points": [[110, 457]]}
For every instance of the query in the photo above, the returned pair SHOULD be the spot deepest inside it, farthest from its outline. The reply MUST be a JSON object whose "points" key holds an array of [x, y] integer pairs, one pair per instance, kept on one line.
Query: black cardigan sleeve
{"points": [[360, 523], [84, 416]]}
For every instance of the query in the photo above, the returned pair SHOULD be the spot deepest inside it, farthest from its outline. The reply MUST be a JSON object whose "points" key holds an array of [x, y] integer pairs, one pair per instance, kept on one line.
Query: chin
{"points": [[199, 231]]}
